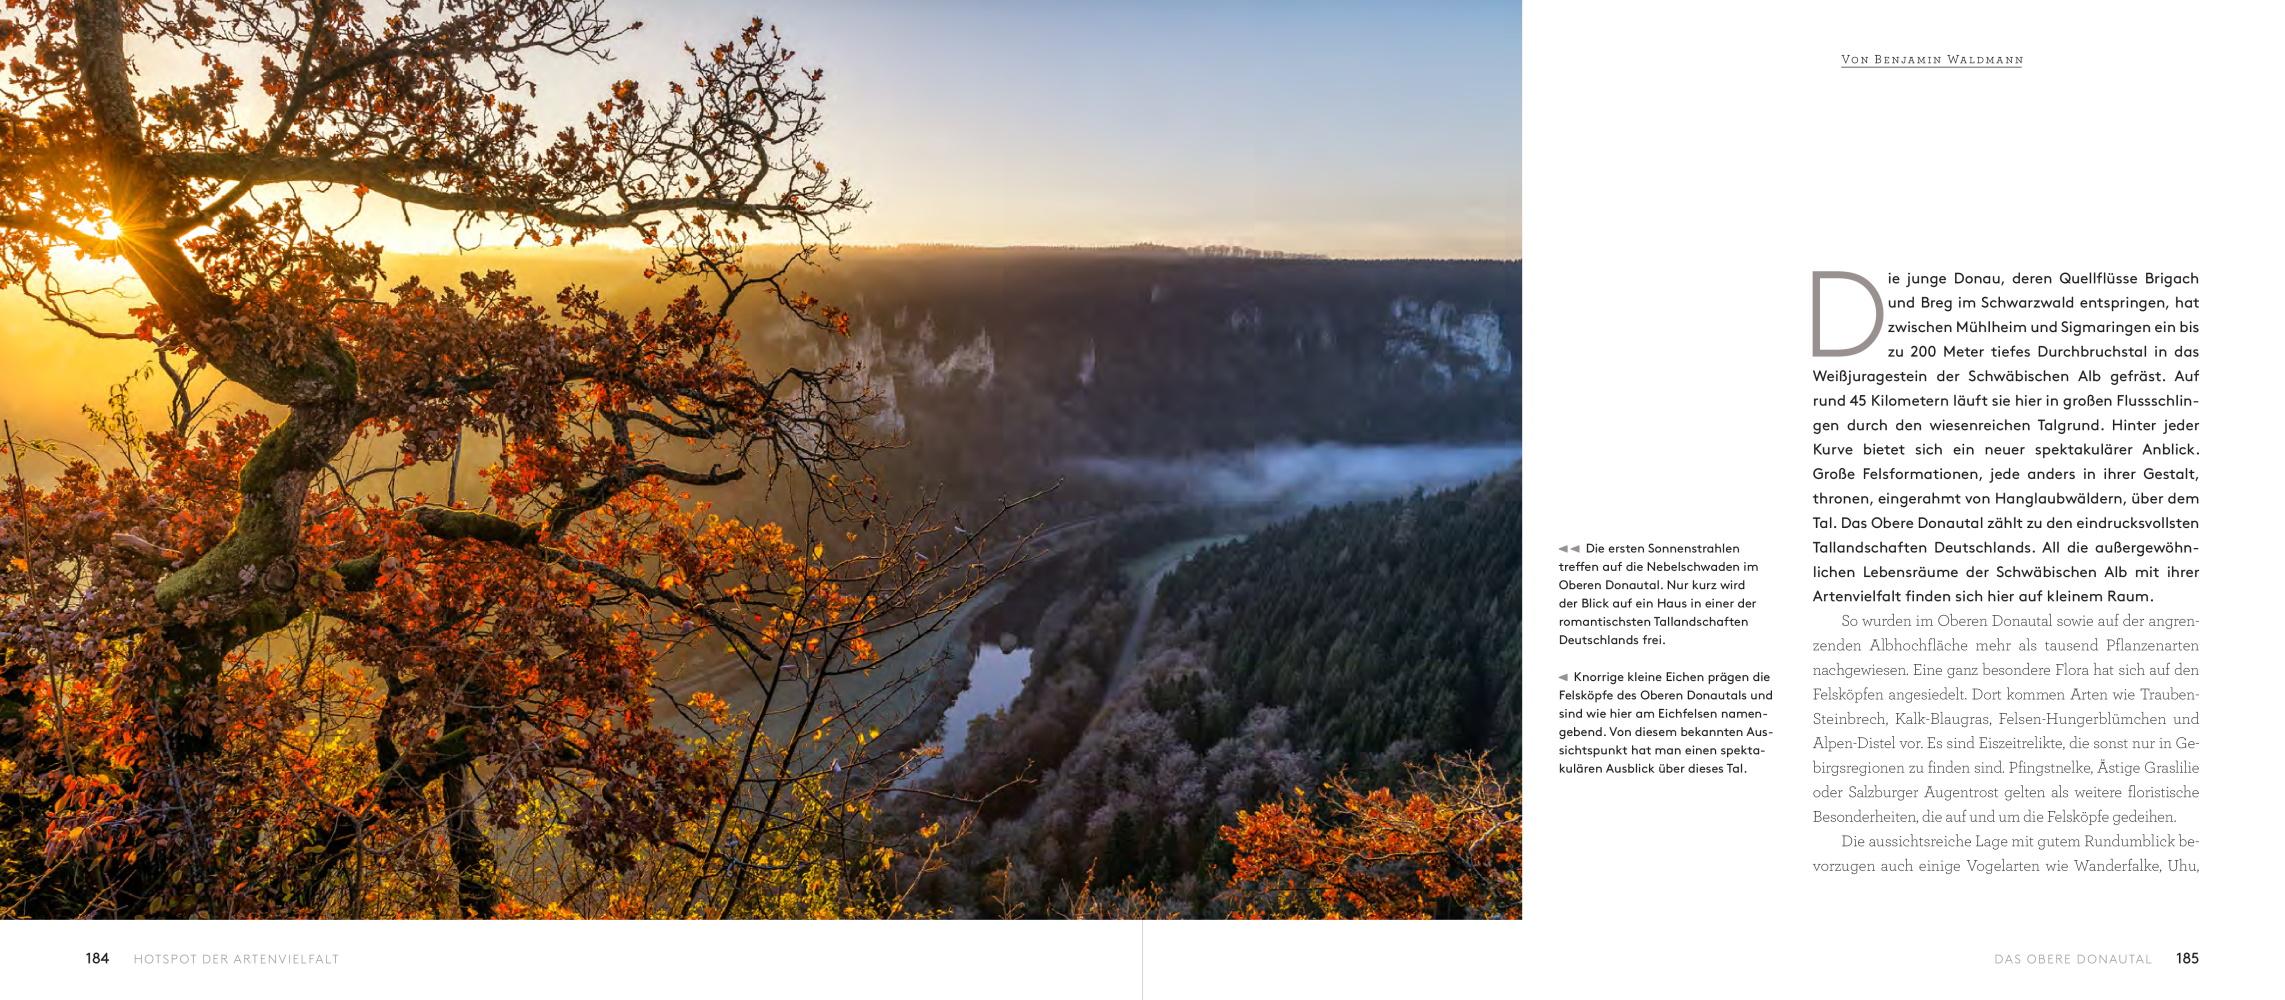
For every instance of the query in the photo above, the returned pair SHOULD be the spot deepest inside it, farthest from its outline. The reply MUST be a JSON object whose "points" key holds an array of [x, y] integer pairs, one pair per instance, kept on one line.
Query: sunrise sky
{"points": [[1338, 128], [1349, 129]]}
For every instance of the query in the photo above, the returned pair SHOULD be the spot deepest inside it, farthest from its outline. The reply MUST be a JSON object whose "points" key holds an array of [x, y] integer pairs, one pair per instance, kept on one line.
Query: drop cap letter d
{"points": [[1817, 314]]}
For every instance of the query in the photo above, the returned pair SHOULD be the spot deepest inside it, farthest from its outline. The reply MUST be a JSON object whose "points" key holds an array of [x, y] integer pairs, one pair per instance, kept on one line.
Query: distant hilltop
{"points": [[1213, 250], [523, 256], [1231, 250]]}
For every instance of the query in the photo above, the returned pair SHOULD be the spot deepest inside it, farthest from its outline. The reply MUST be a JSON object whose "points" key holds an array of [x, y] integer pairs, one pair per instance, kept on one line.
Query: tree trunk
{"points": [[471, 852]]}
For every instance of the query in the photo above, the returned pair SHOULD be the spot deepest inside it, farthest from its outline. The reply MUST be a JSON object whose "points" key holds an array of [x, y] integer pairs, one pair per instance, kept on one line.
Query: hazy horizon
{"points": [[601, 249], [1184, 123]]}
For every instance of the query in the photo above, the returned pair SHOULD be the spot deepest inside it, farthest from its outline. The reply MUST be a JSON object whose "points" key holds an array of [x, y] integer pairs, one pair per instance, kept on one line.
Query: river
{"points": [[994, 680]]}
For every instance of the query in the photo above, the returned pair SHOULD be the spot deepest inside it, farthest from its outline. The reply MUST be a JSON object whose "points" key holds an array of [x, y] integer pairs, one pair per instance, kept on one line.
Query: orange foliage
{"points": [[242, 673], [1450, 846]]}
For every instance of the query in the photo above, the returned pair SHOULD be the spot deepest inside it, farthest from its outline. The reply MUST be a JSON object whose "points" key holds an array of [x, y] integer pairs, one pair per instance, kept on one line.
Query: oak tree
{"points": [[241, 671]]}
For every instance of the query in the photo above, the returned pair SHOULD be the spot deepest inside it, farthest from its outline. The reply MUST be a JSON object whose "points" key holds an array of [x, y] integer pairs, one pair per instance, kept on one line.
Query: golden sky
{"points": [[1335, 127], [1339, 128]]}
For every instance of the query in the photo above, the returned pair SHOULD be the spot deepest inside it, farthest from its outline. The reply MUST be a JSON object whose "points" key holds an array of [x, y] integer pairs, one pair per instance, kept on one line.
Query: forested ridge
{"points": [[996, 370], [1381, 625], [998, 367]]}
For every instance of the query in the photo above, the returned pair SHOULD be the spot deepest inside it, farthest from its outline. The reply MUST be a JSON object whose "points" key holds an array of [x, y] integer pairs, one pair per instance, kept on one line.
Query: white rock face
{"points": [[1454, 344], [974, 359], [868, 347], [881, 361], [1245, 320], [868, 351], [1087, 365], [885, 420]]}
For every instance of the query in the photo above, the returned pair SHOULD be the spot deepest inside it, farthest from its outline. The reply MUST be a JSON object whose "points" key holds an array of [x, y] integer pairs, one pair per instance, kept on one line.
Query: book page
{"points": [[1897, 403]]}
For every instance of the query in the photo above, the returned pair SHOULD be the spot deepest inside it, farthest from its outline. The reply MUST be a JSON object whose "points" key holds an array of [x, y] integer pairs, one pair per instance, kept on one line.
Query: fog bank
{"points": [[1315, 475]]}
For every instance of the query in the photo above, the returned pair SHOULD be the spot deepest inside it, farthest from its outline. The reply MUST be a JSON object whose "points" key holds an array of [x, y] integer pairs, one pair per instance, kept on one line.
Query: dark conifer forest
{"points": [[1360, 645]]}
